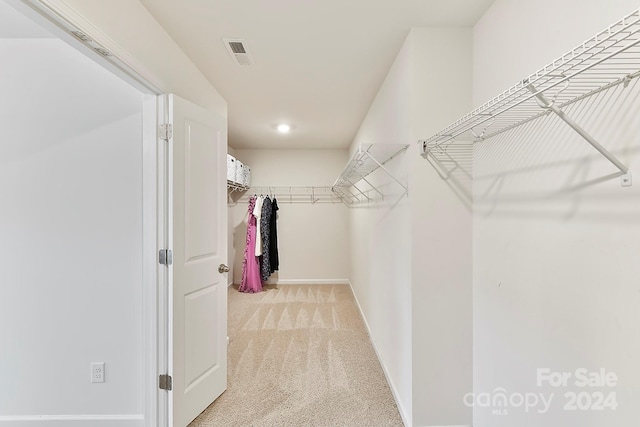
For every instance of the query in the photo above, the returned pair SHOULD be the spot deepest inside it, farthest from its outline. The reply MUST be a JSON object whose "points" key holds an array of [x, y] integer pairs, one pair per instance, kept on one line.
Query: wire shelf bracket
{"points": [[608, 59], [353, 187], [233, 186], [550, 105]]}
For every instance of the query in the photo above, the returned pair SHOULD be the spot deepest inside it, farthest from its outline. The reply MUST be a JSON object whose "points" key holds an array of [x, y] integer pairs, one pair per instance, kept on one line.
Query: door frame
{"points": [[60, 19], [181, 114], [163, 314]]}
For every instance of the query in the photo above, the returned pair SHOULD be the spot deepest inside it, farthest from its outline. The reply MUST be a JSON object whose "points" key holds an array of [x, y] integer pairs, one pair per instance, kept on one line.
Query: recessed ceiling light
{"points": [[283, 128]]}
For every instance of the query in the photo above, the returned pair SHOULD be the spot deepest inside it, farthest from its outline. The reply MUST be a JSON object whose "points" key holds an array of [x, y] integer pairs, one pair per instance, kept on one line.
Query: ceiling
{"points": [[318, 64], [45, 81], [14, 25]]}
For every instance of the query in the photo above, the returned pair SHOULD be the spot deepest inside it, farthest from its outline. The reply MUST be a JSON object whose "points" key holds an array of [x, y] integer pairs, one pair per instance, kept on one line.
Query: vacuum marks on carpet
{"points": [[300, 356]]}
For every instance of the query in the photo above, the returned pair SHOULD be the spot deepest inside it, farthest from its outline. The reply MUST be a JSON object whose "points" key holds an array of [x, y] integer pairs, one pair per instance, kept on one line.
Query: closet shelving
{"points": [[295, 194], [352, 186], [610, 58], [234, 186]]}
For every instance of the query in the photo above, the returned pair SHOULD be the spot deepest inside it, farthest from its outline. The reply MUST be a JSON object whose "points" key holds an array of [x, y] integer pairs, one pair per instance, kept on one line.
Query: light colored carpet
{"points": [[300, 356]]}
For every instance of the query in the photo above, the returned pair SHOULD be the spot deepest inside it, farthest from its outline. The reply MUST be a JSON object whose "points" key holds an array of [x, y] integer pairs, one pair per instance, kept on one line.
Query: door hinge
{"points": [[165, 132], [166, 382], [165, 257]]}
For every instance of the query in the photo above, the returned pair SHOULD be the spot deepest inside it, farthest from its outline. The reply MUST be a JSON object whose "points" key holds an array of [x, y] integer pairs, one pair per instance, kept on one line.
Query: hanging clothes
{"points": [[257, 212], [274, 262], [265, 224], [250, 268]]}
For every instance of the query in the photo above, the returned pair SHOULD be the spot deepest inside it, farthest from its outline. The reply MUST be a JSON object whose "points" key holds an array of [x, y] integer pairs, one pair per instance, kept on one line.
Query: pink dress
{"points": [[250, 267]]}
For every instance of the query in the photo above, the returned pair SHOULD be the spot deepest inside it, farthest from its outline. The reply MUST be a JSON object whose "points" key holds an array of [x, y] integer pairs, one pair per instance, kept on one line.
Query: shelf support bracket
{"points": [[381, 166], [353, 184], [549, 105], [373, 187]]}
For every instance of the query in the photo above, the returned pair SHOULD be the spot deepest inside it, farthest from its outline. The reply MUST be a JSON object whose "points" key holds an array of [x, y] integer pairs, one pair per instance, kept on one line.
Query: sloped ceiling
{"points": [[49, 90], [317, 64], [14, 25]]}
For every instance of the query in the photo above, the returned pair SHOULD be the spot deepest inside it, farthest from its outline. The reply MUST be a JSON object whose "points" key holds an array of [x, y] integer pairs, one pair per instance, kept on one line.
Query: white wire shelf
{"points": [[295, 194], [609, 58], [235, 186], [367, 158]]}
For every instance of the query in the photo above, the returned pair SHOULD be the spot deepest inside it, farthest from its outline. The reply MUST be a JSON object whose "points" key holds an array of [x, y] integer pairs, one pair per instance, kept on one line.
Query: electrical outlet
{"points": [[97, 372]]}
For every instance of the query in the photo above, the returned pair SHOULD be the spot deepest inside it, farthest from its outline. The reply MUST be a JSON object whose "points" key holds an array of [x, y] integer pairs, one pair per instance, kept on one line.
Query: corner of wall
{"points": [[441, 236], [380, 236]]}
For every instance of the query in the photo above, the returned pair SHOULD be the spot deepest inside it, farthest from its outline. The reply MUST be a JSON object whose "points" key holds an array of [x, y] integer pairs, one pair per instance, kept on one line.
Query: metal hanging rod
{"points": [[351, 187], [294, 194], [608, 59]]}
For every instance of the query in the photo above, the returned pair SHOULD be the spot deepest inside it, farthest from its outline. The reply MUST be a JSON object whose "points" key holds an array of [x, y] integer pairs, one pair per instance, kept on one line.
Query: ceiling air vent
{"points": [[237, 48]]}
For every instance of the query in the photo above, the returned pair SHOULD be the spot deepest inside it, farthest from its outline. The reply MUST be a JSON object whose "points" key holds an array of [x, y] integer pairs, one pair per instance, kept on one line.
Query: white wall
{"points": [[71, 247], [555, 241], [129, 30], [441, 236], [313, 239], [147, 46], [380, 237], [411, 268]]}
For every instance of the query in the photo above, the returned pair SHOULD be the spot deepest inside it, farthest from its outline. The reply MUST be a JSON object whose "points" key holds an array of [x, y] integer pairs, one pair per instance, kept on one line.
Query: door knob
{"points": [[223, 268]]}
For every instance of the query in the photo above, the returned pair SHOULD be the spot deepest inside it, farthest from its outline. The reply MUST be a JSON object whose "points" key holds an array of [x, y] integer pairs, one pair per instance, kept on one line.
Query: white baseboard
{"points": [[405, 417], [311, 282], [135, 420], [308, 282]]}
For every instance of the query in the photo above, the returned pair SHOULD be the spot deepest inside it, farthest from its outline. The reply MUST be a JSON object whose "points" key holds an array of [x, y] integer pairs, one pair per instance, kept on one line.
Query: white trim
{"points": [[149, 262], [405, 417], [118, 417], [124, 420], [169, 114], [61, 19], [307, 282], [122, 63], [164, 231]]}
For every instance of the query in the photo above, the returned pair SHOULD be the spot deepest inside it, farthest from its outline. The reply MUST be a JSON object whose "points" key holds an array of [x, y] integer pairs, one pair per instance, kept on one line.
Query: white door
{"points": [[198, 322]]}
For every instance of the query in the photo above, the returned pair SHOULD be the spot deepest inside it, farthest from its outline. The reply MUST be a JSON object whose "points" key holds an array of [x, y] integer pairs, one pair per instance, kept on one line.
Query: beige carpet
{"points": [[300, 356]]}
